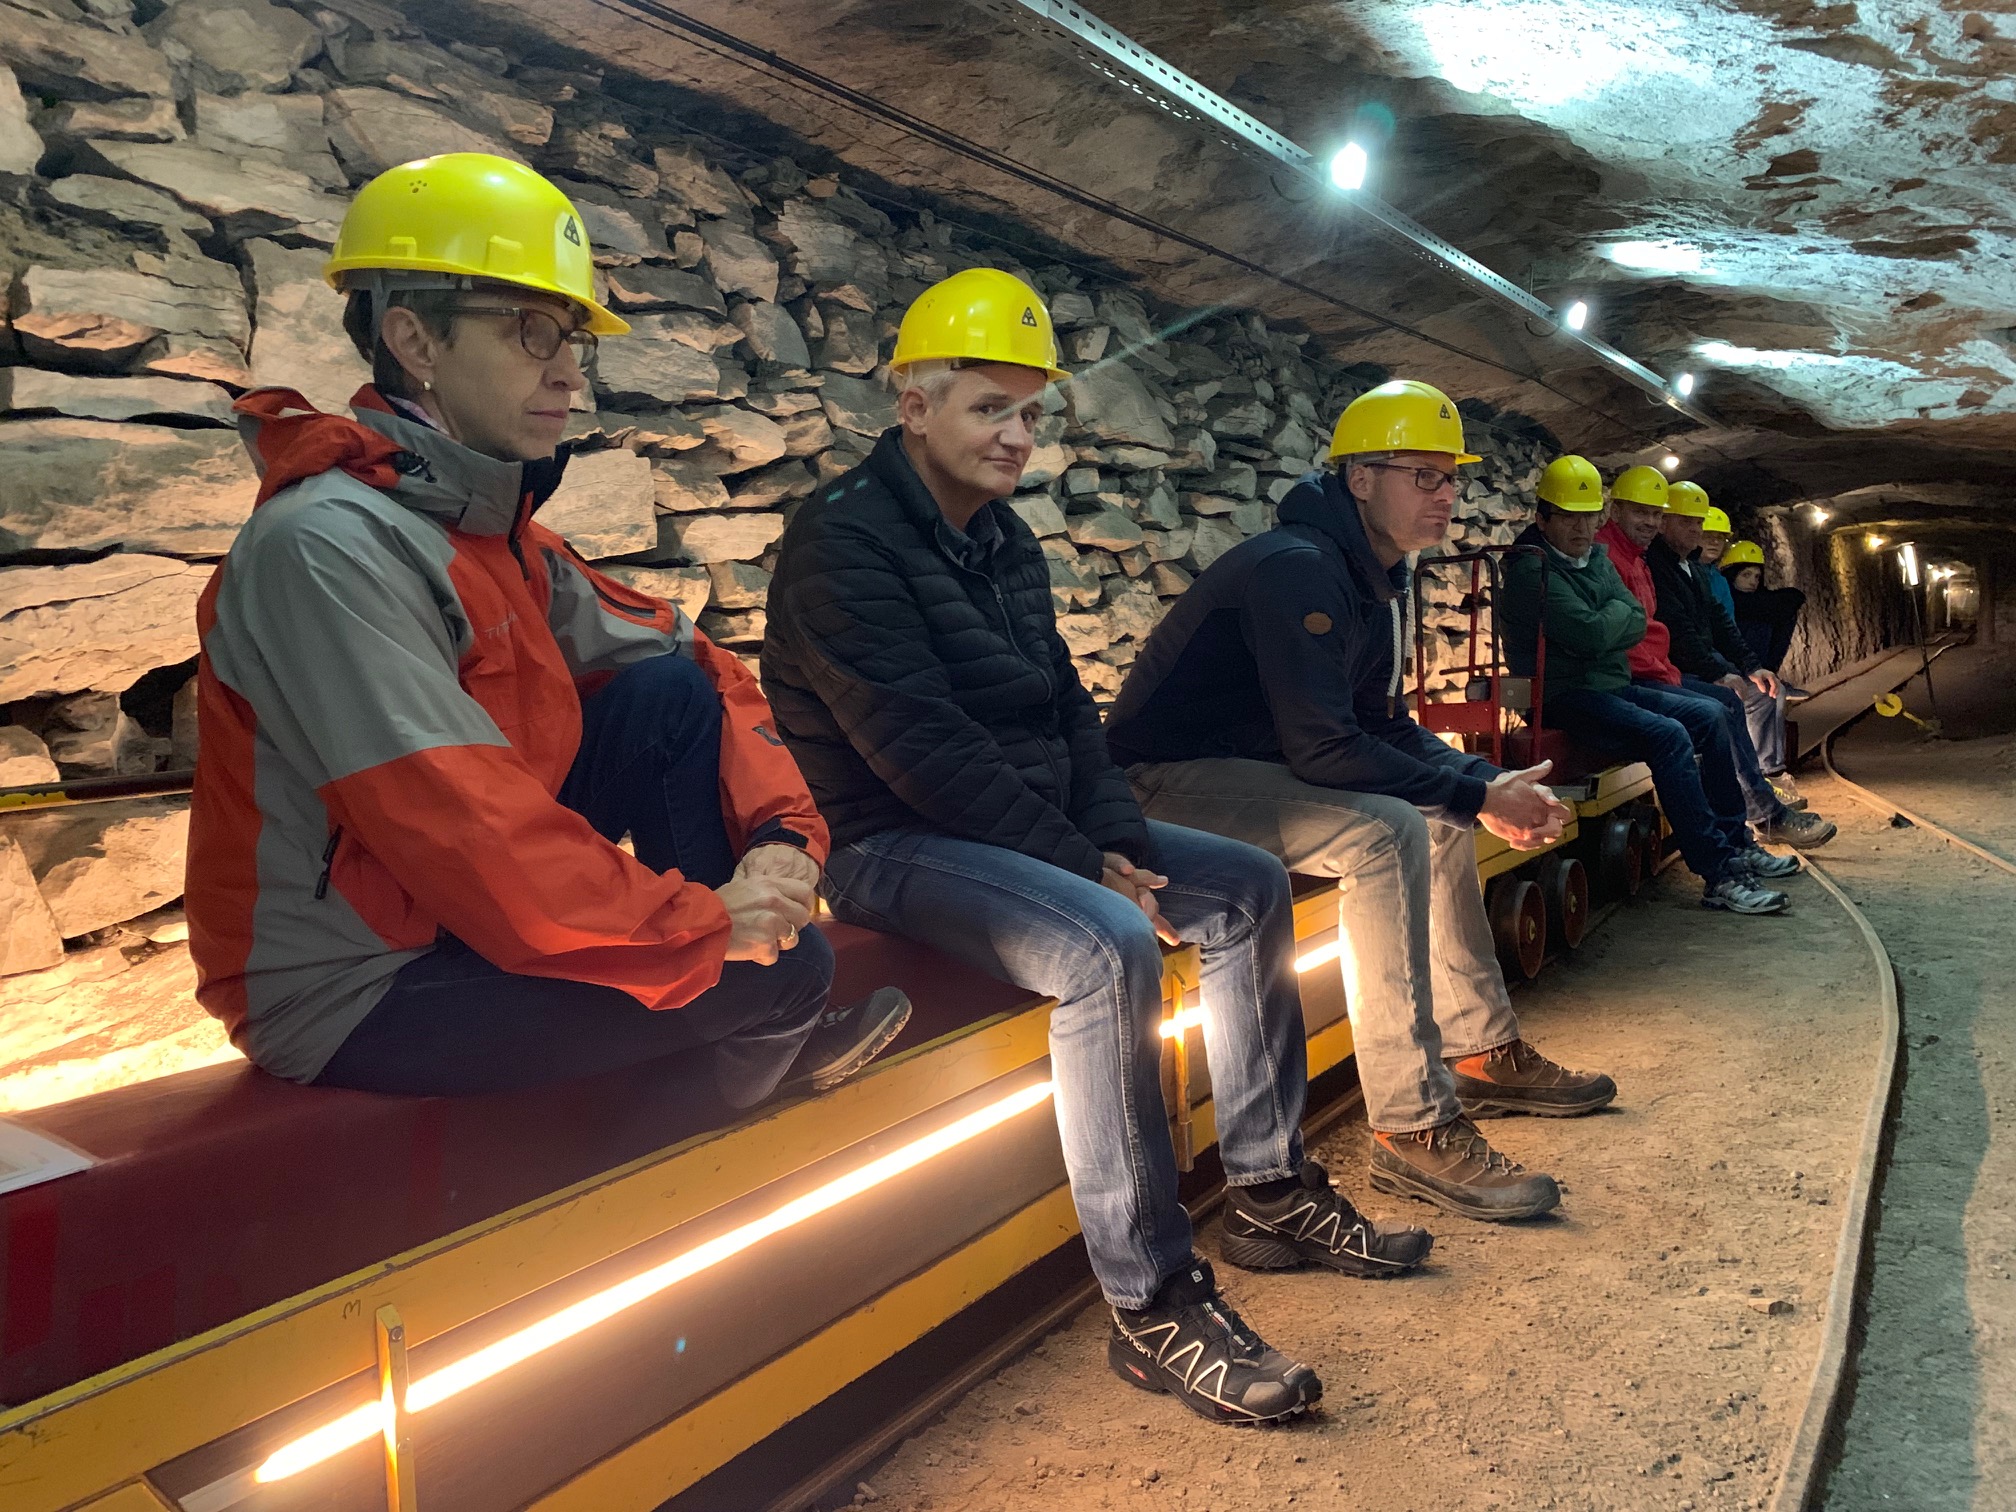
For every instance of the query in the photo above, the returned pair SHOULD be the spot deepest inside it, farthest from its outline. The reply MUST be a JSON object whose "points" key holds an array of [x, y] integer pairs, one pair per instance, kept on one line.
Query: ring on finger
{"points": [[790, 939]]}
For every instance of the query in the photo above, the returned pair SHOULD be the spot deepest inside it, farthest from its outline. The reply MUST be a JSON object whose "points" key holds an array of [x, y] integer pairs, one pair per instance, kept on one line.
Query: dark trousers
{"points": [[1761, 804], [453, 1024], [1666, 729]]}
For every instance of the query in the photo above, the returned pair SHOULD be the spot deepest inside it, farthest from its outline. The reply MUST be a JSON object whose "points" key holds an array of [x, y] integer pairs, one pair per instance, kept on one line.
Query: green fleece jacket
{"points": [[1593, 620]]}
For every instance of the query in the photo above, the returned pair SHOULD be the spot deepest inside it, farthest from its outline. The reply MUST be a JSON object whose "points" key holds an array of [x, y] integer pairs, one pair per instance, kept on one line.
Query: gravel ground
{"points": [[1933, 1424], [1622, 1355]]}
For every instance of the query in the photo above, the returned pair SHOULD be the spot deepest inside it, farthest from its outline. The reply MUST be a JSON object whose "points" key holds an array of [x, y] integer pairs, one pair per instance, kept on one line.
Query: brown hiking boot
{"points": [[1454, 1166], [1516, 1078]]}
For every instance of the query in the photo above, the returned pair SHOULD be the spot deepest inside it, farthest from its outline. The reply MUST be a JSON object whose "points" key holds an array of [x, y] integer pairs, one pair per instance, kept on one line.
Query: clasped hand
{"points": [[1138, 884], [769, 899], [1521, 810]]}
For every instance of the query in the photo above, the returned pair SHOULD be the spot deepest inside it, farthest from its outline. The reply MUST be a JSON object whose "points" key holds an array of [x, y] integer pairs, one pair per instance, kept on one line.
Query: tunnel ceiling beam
{"points": [[1097, 46]]}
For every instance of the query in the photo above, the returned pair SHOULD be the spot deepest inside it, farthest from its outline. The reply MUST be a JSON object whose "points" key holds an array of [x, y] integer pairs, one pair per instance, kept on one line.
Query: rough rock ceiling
{"points": [[1808, 205]]}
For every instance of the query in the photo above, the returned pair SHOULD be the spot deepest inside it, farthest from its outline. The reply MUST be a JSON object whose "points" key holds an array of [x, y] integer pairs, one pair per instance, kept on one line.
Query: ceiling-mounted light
{"points": [[1684, 385], [1821, 516], [1875, 543], [1577, 316], [1669, 461], [1347, 169]]}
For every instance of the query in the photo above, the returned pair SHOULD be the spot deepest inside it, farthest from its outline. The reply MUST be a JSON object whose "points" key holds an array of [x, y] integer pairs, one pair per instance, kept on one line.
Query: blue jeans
{"points": [[1666, 729], [452, 1024], [1053, 932], [1759, 802]]}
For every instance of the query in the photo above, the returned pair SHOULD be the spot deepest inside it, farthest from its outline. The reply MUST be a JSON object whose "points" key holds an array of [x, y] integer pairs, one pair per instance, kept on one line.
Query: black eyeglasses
{"points": [[1427, 479], [540, 331]]}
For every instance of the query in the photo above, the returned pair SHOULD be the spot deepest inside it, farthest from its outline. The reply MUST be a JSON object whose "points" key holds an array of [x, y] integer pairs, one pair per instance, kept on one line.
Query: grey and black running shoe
{"points": [[1758, 864], [1738, 894], [1189, 1344], [1316, 1224]]}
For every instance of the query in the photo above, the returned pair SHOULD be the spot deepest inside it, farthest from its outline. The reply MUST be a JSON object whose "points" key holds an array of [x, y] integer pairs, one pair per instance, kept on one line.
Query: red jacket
{"points": [[1650, 658], [394, 658]]}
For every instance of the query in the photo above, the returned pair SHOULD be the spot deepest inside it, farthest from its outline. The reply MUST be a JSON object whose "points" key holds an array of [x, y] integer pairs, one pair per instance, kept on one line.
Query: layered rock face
{"points": [[172, 190]]}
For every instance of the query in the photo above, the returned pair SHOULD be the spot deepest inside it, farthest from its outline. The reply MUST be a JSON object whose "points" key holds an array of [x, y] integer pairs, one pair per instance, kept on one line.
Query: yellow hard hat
{"points": [[470, 215], [1640, 485], [1572, 483], [1403, 415], [980, 315], [1716, 522], [1742, 554], [1688, 500]]}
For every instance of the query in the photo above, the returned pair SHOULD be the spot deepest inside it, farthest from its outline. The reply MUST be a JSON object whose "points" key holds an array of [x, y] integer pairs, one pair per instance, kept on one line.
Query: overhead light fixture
{"points": [[1577, 316], [1821, 516], [1347, 168], [1684, 385], [1875, 543], [368, 1420], [1669, 461], [1907, 560]]}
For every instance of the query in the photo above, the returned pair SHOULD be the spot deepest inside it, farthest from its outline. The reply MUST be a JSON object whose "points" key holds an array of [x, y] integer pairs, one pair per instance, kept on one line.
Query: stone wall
{"points": [[170, 179], [1855, 604]]}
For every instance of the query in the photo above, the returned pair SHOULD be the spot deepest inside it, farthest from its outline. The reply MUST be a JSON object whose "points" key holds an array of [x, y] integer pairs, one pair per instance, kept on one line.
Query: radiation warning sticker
{"points": [[1317, 623], [1028, 316]]}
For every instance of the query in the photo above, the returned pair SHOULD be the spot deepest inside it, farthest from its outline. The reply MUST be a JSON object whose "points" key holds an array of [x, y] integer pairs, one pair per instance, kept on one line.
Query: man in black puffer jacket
{"points": [[913, 661]]}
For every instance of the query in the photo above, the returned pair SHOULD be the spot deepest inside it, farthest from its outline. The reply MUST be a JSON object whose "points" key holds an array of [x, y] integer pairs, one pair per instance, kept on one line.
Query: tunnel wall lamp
{"points": [[1684, 385], [1907, 562], [1578, 315], [1099, 47]]}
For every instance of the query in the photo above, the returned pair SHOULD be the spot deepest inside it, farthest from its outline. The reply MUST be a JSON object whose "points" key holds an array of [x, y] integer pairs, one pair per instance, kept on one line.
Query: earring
{"points": [[427, 385]]}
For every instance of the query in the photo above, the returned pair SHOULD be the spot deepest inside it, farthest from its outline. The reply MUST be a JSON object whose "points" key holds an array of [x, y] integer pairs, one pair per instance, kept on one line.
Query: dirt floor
{"points": [[1933, 1423], [1622, 1356]]}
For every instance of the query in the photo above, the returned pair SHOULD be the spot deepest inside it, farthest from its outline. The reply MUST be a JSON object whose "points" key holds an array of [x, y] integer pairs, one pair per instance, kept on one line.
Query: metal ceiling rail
{"points": [[1116, 56]]}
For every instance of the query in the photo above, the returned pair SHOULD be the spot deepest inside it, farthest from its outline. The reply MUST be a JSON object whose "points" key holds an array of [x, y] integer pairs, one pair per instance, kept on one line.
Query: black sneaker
{"points": [[846, 1039], [1316, 1223], [1758, 864], [1191, 1345]]}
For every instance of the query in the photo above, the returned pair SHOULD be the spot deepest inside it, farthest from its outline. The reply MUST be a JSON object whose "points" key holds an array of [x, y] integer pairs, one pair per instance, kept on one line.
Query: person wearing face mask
{"points": [[1267, 706], [914, 661], [1562, 583], [427, 722]]}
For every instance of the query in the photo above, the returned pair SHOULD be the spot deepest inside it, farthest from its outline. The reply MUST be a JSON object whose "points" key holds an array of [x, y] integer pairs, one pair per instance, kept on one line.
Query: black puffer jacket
{"points": [[918, 677]]}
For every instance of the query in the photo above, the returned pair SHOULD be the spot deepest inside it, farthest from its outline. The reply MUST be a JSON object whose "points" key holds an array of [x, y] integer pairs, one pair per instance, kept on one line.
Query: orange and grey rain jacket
{"points": [[393, 661]]}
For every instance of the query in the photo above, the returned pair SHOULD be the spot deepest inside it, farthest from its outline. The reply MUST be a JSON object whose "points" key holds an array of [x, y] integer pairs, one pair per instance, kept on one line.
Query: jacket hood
{"points": [[1321, 502], [290, 440]]}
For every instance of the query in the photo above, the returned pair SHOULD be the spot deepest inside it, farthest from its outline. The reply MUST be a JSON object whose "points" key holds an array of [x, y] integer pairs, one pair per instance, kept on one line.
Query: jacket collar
{"points": [[463, 489], [891, 466], [1619, 543], [1320, 502], [1533, 535]]}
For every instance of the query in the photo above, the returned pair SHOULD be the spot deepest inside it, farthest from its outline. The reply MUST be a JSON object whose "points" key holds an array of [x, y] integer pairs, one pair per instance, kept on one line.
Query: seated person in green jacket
{"points": [[1591, 621]]}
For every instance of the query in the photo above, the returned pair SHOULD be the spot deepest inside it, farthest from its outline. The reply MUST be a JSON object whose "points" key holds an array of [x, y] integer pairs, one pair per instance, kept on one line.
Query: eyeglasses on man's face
{"points": [[1428, 479], [540, 331]]}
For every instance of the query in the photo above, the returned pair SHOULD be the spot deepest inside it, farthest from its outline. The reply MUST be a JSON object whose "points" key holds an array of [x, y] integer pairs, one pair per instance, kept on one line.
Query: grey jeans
{"points": [[1421, 976]]}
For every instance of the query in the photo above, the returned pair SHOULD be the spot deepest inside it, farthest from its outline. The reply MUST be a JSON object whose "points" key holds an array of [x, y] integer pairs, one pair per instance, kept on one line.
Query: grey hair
{"points": [[931, 378], [1342, 465]]}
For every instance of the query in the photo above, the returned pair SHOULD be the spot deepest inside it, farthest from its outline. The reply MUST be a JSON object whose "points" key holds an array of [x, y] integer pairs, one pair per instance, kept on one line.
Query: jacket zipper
{"points": [[1049, 683], [328, 863]]}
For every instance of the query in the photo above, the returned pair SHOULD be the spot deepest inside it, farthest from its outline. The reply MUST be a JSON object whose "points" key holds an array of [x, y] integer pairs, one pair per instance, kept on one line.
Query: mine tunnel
{"points": [[764, 756]]}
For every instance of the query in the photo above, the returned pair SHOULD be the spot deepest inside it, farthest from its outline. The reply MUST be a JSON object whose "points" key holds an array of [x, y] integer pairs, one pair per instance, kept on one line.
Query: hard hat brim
{"points": [[1054, 374], [602, 321]]}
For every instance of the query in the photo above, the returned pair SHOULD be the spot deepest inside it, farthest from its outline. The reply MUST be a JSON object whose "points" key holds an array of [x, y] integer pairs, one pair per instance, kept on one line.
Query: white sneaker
{"points": [[1738, 894]]}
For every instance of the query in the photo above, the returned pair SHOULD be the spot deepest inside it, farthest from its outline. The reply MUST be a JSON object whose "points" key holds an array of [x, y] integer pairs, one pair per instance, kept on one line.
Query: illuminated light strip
{"points": [[1182, 1023], [1319, 956], [368, 1421]]}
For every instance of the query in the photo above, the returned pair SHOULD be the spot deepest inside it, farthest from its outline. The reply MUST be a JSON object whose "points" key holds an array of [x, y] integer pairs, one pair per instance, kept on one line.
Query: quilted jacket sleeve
{"points": [[866, 652]]}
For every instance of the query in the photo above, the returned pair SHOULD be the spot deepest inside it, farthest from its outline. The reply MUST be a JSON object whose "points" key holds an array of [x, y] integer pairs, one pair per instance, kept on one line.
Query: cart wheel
{"points": [[1564, 885], [1519, 926], [1646, 825], [1619, 859]]}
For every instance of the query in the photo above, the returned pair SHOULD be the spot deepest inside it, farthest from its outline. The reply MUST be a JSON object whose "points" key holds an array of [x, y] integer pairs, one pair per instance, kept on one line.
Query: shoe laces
{"points": [[1523, 1056], [1461, 1137], [1245, 1343]]}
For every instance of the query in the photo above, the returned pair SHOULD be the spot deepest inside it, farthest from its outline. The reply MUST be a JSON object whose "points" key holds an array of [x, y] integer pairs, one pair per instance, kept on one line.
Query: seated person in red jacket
{"points": [[428, 723]]}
